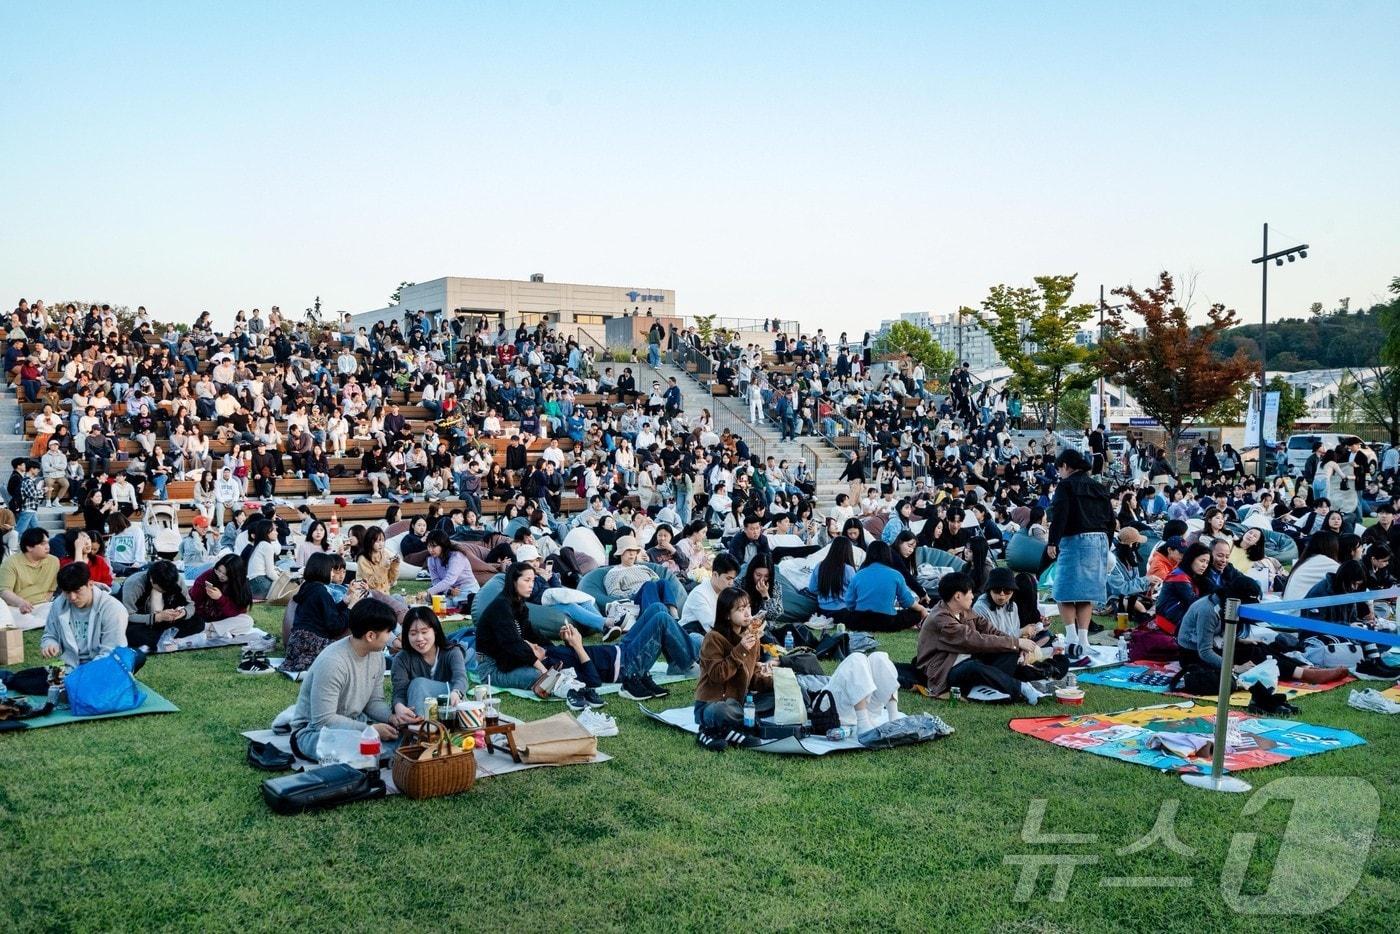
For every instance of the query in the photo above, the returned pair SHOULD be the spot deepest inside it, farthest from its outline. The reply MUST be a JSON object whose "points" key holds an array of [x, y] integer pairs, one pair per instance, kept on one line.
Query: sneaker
{"points": [[742, 739], [987, 695], [636, 689], [1095, 629], [576, 701], [599, 724], [1373, 701], [611, 633], [1083, 661], [592, 698], [1373, 669], [656, 689], [711, 740], [254, 663]]}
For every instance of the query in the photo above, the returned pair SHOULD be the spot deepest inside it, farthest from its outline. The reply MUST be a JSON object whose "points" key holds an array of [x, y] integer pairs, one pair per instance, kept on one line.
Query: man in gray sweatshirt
{"points": [[344, 687], [84, 622]]}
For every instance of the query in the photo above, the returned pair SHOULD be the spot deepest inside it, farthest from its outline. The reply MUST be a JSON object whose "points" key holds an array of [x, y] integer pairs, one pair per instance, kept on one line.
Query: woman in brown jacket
{"points": [[959, 649], [729, 672]]}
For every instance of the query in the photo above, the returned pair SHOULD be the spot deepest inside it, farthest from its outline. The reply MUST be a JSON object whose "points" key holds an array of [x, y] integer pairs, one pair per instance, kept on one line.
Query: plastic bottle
{"points": [[1072, 681], [787, 641], [370, 747], [954, 695], [838, 733], [4, 690], [750, 715], [1122, 648]]}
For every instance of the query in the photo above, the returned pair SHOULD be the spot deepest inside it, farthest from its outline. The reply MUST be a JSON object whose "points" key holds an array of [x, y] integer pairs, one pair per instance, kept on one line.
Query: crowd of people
{"points": [[710, 552]]}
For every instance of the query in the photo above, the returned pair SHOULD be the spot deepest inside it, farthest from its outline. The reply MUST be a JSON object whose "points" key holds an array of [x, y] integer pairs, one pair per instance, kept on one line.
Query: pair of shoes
{"points": [[599, 724], [581, 698], [1375, 670], [641, 687], [1373, 701], [254, 663], [1095, 629]]}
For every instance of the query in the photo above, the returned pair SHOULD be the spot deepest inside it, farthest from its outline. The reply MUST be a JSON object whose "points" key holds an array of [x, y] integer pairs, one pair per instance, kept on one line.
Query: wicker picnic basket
{"points": [[432, 767]]}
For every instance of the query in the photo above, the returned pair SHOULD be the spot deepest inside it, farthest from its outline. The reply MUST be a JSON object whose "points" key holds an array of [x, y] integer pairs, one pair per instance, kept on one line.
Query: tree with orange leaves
{"points": [[1166, 363]]}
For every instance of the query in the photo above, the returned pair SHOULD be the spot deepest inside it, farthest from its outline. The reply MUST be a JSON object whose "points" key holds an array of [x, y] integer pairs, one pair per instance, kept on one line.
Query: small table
{"points": [[502, 727]]}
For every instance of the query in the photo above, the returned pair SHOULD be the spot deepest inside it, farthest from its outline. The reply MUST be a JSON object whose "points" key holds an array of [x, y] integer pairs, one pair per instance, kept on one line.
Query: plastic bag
{"points": [[105, 685], [914, 728], [1265, 673]]}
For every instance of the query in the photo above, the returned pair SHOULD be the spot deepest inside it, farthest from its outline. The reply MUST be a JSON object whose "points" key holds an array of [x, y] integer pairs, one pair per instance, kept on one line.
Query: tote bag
{"points": [[105, 685]]}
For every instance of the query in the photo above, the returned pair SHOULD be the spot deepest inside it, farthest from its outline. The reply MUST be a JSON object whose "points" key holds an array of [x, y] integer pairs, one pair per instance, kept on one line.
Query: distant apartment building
{"points": [[964, 337]]}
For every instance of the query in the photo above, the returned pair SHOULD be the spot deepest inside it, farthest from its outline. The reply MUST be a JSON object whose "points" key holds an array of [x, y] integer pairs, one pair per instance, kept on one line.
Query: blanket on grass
{"points": [[683, 718], [1122, 678], [62, 717], [254, 637], [1255, 742], [658, 674], [488, 764]]}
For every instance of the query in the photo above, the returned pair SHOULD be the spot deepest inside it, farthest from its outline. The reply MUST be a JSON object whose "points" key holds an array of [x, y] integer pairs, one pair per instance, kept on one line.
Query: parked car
{"points": [[1299, 448]]}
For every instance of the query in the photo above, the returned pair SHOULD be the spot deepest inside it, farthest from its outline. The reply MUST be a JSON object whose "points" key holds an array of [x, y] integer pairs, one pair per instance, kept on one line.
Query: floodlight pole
{"points": [[1264, 258]]}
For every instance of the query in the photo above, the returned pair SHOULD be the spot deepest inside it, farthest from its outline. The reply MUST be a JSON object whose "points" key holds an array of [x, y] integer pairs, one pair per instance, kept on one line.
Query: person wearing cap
{"points": [[639, 582], [997, 603], [194, 547], [1081, 521], [1131, 589]]}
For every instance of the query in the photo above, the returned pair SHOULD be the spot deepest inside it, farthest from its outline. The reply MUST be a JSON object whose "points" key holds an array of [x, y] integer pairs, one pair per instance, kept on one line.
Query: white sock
{"points": [[1031, 695], [892, 709], [1084, 639], [863, 720], [1071, 635]]}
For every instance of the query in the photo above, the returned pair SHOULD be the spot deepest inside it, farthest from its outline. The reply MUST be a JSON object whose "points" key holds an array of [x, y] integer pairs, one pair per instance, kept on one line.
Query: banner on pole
{"points": [[1271, 400]]}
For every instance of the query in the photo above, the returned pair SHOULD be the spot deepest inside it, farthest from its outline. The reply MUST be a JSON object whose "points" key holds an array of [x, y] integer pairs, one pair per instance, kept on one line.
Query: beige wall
{"points": [[516, 297]]}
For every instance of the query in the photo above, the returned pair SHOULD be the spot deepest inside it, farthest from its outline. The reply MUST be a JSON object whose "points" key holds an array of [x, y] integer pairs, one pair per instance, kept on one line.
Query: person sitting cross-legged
{"points": [[84, 622], [28, 580], [344, 687], [427, 665], [959, 649]]}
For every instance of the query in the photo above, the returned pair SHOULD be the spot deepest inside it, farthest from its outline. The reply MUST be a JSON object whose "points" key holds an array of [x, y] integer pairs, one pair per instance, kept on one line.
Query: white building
{"points": [[963, 336], [568, 306]]}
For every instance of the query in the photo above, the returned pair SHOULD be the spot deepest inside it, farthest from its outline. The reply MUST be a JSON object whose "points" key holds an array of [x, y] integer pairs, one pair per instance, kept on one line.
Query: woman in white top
{"points": [[261, 557], [124, 495], [1317, 561], [337, 431]]}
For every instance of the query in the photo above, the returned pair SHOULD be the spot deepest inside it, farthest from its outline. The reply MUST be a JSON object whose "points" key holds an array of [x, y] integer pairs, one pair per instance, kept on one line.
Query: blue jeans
{"points": [[518, 678], [664, 591], [27, 519], [420, 689], [655, 633], [322, 482], [584, 616], [159, 481], [653, 355]]}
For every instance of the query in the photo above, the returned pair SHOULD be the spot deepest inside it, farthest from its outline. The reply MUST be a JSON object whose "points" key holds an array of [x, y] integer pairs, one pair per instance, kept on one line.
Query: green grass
{"points": [[157, 823]]}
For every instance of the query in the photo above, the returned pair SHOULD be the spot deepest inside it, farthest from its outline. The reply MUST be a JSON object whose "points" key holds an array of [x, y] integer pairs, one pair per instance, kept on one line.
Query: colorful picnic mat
{"points": [[1129, 678], [1254, 742], [62, 717]]}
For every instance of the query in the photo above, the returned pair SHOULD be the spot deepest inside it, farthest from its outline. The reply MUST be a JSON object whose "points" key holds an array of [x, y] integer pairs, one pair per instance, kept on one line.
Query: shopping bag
{"points": [[788, 705], [105, 685]]}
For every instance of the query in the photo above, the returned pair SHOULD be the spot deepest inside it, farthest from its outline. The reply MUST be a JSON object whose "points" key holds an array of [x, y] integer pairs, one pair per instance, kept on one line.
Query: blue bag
{"points": [[105, 685]]}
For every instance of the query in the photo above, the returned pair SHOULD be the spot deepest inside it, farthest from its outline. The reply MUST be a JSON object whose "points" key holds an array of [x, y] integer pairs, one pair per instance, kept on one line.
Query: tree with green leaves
{"points": [[1370, 400], [1033, 330], [1292, 404], [398, 293], [918, 345], [1167, 364]]}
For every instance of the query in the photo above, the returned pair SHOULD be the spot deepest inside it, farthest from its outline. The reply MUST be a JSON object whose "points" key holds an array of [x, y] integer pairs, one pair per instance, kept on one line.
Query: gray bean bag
{"points": [[938, 558], [547, 620], [592, 583], [798, 607]]}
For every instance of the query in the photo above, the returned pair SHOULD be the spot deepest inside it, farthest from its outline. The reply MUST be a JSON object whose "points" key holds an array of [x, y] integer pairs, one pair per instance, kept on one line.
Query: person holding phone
{"points": [[730, 670]]}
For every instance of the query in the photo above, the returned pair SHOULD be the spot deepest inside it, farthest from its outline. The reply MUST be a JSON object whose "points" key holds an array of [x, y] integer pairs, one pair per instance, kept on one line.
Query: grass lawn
{"points": [[157, 823]]}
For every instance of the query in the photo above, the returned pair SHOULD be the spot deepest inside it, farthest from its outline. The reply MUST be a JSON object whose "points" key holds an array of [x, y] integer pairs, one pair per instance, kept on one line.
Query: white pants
{"points": [[871, 678], [35, 620], [233, 626], [755, 411]]}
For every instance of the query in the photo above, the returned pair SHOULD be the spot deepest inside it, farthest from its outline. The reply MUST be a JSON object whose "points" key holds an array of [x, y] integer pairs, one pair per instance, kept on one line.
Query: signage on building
{"points": [[635, 296], [1138, 421]]}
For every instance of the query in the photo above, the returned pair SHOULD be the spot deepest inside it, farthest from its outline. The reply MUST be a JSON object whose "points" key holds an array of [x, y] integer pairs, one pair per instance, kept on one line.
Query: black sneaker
{"points": [[1375, 668], [655, 689], [1095, 629], [637, 689], [592, 698], [254, 663], [711, 740], [576, 702], [742, 739]]}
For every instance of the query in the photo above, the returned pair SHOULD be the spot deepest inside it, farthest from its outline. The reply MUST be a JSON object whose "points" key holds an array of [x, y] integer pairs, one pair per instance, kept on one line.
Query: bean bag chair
{"points": [[476, 553], [798, 607], [547, 620], [1279, 546], [592, 583], [1024, 553], [408, 570], [937, 557], [874, 525], [514, 525], [586, 546]]}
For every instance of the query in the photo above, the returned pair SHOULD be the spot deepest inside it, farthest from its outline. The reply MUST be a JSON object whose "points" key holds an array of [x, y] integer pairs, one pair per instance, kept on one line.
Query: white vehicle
{"points": [[1300, 446]]}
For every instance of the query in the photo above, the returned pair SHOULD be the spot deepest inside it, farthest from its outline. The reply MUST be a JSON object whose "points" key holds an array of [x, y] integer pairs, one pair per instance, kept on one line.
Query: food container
{"points": [[1072, 696]]}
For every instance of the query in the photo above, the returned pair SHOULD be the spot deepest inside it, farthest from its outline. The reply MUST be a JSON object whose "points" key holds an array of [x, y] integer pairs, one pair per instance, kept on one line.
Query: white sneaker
{"points": [[597, 723], [564, 683], [1372, 701], [987, 695]]}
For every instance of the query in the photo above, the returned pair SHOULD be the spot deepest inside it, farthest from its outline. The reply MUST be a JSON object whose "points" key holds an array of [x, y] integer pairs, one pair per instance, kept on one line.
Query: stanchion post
{"points": [[1217, 780]]}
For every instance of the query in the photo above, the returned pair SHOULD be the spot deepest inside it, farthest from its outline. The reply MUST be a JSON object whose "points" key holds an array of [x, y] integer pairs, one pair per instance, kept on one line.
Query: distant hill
{"points": [[1323, 340]]}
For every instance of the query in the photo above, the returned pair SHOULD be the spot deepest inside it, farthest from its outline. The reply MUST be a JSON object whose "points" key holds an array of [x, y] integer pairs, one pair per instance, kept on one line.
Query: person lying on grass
{"points": [[428, 665], [957, 648], [85, 622], [344, 688]]}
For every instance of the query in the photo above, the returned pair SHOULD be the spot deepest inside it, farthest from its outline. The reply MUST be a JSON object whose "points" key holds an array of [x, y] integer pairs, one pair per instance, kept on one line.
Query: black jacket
{"points": [[503, 635], [1081, 505]]}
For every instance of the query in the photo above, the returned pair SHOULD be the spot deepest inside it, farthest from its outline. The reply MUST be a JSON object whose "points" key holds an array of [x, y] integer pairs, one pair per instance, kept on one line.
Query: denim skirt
{"points": [[1081, 569]]}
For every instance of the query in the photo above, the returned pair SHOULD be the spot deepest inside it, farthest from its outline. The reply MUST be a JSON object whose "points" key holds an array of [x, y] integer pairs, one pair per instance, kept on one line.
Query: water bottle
{"points": [[838, 733], [787, 641], [1073, 681], [370, 748], [4, 690], [1122, 648], [750, 715]]}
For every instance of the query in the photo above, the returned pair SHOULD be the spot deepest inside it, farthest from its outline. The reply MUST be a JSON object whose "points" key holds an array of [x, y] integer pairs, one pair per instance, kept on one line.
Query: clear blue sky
{"points": [[837, 163]]}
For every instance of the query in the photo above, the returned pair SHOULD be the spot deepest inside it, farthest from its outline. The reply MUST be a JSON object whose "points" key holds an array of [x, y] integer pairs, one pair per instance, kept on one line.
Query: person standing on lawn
{"points": [[1081, 521]]}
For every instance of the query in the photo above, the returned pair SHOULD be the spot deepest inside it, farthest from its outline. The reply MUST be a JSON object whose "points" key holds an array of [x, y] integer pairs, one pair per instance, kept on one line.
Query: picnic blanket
{"points": [[488, 764], [276, 663], [683, 718], [658, 674], [254, 637], [1255, 742], [1122, 677], [62, 717]]}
